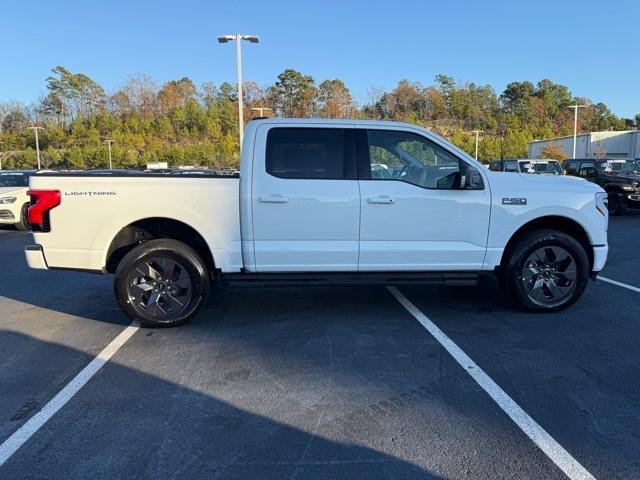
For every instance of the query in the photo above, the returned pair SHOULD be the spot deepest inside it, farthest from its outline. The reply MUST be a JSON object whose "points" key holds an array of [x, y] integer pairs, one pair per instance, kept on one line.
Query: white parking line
{"points": [[620, 284], [20, 436], [528, 425]]}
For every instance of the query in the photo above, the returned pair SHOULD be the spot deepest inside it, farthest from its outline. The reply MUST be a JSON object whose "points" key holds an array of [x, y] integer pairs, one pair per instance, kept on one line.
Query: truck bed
{"points": [[95, 207]]}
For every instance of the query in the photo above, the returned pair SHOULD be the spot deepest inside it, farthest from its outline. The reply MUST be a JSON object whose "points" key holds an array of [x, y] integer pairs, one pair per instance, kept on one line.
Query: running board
{"points": [[314, 279]]}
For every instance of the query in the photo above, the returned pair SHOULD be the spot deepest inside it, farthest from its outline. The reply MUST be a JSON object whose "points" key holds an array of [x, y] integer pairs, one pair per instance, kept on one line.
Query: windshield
{"points": [[617, 166], [529, 166], [14, 179]]}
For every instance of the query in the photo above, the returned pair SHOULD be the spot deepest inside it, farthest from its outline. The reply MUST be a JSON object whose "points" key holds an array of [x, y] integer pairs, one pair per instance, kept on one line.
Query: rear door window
{"points": [[510, 167], [571, 168], [587, 169], [310, 153], [14, 179]]}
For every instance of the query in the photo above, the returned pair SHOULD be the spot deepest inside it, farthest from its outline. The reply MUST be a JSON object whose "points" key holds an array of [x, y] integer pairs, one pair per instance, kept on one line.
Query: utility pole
{"points": [[575, 126], [109, 142], [35, 129], [477, 132], [238, 38]]}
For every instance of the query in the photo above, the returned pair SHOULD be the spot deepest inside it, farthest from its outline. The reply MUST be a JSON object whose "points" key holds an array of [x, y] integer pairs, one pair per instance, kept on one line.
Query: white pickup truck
{"points": [[322, 202]]}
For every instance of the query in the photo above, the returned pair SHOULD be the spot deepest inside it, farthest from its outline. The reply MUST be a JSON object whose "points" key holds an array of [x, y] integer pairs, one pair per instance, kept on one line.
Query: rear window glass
{"points": [[14, 179], [306, 153]]}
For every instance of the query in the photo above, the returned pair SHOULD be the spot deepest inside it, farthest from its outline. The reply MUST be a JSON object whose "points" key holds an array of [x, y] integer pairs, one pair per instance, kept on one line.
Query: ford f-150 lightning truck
{"points": [[322, 202]]}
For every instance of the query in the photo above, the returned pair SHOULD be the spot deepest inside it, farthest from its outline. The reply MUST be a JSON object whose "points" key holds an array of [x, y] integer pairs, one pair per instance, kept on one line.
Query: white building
{"points": [[594, 145]]}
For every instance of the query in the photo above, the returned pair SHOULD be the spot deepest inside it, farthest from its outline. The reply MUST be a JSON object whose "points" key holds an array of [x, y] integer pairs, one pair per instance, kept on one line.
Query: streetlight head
{"points": [[251, 38], [226, 38]]}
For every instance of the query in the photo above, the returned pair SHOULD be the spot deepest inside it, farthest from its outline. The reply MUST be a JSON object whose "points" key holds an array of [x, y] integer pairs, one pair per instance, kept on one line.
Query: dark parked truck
{"points": [[619, 178], [540, 167]]}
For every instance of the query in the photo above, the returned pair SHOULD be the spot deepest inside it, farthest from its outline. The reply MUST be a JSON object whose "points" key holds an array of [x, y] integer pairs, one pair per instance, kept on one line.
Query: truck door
{"points": [[414, 214], [305, 199]]}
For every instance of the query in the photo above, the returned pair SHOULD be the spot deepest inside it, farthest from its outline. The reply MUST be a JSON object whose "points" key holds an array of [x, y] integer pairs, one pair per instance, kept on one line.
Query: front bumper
{"points": [[10, 213], [633, 200], [35, 257], [600, 253]]}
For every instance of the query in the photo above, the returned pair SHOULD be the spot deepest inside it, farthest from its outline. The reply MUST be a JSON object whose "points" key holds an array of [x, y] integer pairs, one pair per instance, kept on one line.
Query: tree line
{"points": [[184, 124]]}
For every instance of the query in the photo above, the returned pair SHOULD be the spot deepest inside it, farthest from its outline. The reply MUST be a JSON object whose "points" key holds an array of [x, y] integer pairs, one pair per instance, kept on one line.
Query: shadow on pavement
{"points": [[129, 424], [73, 293]]}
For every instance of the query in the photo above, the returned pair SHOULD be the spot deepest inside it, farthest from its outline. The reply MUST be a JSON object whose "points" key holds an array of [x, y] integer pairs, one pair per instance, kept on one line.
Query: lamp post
{"points": [[261, 110], [109, 142], [575, 125], [238, 38], [477, 132], [35, 129]]}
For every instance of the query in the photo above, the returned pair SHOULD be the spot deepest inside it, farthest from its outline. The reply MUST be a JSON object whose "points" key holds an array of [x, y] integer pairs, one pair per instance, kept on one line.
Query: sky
{"points": [[590, 46]]}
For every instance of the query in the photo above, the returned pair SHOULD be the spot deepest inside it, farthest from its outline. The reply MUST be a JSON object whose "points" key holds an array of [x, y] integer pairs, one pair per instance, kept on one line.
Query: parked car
{"points": [[619, 178], [310, 209], [114, 171], [197, 171], [14, 200], [537, 166]]}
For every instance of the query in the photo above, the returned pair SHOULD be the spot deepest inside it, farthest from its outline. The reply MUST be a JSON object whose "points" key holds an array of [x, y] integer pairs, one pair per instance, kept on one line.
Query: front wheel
{"points": [[161, 283], [546, 271], [615, 203]]}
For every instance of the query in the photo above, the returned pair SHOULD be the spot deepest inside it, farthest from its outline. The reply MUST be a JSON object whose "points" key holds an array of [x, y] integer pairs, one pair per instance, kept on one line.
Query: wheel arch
{"points": [[612, 187], [153, 228], [551, 222]]}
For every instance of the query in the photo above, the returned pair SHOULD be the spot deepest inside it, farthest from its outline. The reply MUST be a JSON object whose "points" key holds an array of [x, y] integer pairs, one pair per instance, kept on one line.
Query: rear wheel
{"points": [[161, 283], [23, 223], [546, 271]]}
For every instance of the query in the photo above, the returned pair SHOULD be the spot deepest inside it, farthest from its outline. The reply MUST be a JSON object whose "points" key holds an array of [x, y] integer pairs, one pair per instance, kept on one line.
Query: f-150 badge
{"points": [[514, 201]]}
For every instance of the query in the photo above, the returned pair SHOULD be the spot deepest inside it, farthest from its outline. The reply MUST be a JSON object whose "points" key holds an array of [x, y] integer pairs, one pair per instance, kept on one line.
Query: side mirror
{"points": [[471, 179]]}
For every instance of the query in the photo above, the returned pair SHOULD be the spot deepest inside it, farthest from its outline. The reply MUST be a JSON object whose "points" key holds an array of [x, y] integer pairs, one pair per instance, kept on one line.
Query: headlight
{"points": [[629, 187], [7, 200], [601, 203]]}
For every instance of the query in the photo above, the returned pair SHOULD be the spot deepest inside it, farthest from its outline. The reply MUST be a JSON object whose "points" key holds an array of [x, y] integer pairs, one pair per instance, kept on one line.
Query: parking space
{"points": [[624, 259], [318, 382]]}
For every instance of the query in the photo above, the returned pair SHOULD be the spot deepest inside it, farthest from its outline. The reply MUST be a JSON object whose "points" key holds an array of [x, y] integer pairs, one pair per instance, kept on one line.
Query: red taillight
{"points": [[41, 202]]}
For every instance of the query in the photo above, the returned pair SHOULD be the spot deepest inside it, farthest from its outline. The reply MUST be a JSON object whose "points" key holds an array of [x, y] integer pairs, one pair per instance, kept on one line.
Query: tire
{"points": [[546, 271], [23, 223], [161, 283], [615, 203]]}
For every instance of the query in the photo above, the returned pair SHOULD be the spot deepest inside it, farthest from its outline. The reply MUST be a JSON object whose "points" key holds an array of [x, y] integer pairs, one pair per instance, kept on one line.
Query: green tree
{"points": [[293, 94], [334, 100]]}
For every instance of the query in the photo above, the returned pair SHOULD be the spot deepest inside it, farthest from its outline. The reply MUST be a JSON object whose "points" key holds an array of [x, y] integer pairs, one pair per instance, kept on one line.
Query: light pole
{"points": [[109, 142], [575, 125], [477, 132], [35, 129], [238, 38], [260, 110]]}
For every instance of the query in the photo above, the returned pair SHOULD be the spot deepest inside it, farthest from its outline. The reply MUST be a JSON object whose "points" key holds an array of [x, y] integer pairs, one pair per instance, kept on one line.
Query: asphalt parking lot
{"points": [[320, 383]]}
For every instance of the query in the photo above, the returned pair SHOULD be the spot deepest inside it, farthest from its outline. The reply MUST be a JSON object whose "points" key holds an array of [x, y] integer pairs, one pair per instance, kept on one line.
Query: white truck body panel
{"points": [[422, 229]]}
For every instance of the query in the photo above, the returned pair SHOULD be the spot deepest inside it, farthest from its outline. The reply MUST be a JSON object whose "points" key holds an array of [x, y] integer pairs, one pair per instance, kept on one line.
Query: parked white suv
{"points": [[323, 202], [14, 200]]}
